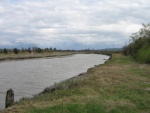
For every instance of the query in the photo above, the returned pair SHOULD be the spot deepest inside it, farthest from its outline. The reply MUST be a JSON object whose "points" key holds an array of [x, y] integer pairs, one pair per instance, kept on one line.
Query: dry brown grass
{"points": [[4, 57]]}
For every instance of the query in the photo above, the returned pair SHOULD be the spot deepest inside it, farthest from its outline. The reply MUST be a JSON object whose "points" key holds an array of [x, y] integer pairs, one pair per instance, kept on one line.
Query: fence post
{"points": [[9, 98]]}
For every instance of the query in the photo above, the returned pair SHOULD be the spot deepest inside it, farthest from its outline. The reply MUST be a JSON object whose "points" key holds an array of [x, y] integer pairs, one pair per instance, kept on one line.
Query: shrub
{"points": [[140, 46], [15, 50], [143, 55], [5, 51]]}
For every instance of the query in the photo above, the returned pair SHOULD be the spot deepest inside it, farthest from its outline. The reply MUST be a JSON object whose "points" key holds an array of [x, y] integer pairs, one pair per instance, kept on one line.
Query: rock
{"points": [[9, 98], [110, 57], [81, 74], [49, 89]]}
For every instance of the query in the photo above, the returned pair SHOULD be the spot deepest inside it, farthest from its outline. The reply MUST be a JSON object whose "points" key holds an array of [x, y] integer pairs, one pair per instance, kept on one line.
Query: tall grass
{"points": [[143, 55]]}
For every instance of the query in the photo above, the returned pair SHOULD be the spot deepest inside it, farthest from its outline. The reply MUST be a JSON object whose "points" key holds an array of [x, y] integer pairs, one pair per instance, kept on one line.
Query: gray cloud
{"points": [[70, 24]]}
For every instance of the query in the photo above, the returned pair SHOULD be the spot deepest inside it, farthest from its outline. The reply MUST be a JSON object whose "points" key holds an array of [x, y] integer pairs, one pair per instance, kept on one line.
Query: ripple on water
{"points": [[30, 77]]}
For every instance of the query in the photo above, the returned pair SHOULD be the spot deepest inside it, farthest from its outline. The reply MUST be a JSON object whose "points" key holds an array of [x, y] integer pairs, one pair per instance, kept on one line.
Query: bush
{"points": [[5, 51], [140, 46], [15, 50], [29, 50], [143, 55]]}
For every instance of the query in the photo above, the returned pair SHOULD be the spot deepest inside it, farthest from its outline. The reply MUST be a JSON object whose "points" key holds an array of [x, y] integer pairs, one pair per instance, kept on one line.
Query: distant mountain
{"points": [[111, 49], [18, 45]]}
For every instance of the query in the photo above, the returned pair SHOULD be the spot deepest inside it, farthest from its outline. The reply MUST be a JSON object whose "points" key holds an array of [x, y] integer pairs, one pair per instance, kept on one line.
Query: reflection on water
{"points": [[29, 77]]}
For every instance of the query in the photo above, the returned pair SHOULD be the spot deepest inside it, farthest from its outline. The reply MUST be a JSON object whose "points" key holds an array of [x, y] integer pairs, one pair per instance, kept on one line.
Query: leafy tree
{"points": [[39, 50], [50, 48], [5, 51], [140, 46], [1, 51], [15, 50], [29, 50], [55, 49]]}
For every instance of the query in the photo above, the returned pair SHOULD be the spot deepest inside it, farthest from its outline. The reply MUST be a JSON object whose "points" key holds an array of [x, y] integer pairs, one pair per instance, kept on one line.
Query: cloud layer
{"points": [[68, 24]]}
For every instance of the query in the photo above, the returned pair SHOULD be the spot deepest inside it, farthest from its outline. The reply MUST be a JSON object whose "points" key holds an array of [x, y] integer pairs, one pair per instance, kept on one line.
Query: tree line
{"points": [[139, 48], [27, 50]]}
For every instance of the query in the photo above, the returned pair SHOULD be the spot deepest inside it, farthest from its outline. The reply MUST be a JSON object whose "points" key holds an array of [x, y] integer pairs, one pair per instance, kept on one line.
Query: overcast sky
{"points": [[71, 24]]}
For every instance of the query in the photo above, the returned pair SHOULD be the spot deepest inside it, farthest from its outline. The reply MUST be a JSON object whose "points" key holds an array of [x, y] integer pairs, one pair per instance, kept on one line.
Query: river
{"points": [[30, 77]]}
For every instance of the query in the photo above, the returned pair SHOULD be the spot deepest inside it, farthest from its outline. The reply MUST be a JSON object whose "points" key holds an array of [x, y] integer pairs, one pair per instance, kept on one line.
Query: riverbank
{"points": [[119, 86], [6, 57]]}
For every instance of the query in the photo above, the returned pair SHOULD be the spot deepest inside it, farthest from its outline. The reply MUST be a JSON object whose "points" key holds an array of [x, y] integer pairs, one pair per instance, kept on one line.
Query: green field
{"points": [[119, 86]]}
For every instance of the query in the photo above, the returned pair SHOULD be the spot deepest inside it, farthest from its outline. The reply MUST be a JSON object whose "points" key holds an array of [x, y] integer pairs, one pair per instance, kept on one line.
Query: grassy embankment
{"points": [[119, 86]]}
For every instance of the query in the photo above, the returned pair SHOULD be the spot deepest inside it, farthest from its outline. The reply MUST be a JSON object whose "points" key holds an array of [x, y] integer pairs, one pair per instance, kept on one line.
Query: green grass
{"points": [[119, 86], [80, 108], [122, 60], [71, 108]]}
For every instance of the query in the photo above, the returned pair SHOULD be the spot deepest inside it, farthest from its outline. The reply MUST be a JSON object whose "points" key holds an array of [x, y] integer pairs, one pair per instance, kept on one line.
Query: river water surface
{"points": [[30, 77]]}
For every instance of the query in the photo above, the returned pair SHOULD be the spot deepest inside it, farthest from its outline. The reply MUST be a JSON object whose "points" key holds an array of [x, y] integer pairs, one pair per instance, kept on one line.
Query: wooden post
{"points": [[9, 98]]}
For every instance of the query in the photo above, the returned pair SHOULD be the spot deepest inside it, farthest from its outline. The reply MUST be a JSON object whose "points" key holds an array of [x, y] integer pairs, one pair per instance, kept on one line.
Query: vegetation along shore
{"points": [[119, 86], [19, 54], [12, 56]]}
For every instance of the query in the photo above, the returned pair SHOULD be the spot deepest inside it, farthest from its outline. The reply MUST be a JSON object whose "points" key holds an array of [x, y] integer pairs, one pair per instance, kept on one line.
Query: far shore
{"points": [[22, 56]]}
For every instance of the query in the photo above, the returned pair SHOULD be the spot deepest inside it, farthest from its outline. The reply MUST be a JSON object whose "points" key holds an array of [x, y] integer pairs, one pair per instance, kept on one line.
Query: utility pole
{"points": [[107, 47], [113, 47]]}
